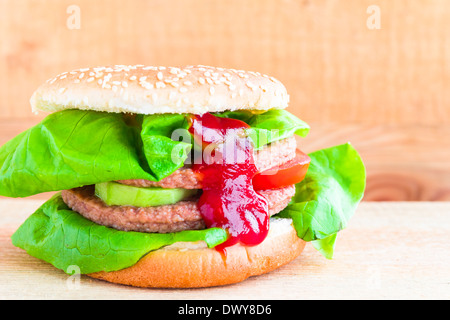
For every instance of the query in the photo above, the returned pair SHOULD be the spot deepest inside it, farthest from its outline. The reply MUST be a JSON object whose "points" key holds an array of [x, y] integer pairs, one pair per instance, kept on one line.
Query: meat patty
{"points": [[183, 215], [269, 156]]}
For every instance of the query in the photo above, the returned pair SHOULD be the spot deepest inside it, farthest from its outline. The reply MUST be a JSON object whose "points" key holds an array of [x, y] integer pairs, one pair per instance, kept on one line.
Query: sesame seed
{"points": [[132, 78], [81, 76], [160, 76], [160, 85], [187, 83], [251, 85], [90, 79], [142, 78], [201, 80], [183, 90], [212, 90], [124, 84]]}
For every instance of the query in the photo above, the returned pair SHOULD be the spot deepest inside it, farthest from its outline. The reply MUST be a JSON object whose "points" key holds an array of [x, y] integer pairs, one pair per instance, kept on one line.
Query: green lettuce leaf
{"points": [[74, 148], [328, 196], [59, 236], [68, 149], [164, 155]]}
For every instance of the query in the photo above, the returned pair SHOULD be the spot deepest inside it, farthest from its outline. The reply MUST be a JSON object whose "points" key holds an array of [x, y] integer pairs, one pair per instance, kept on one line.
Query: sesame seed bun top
{"points": [[149, 90]]}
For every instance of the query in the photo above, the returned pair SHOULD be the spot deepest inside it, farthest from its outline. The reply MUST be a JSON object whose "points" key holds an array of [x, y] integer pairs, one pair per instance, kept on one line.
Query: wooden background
{"points": [[385, 90]]}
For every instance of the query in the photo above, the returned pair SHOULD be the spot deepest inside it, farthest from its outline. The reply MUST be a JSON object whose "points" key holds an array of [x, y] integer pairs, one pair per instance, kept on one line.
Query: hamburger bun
{"points": [[193, 265], [155, 90]]}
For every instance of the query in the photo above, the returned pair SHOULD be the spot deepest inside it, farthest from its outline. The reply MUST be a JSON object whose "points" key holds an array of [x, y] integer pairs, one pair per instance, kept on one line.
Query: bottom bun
{"points": [[193, 264]]}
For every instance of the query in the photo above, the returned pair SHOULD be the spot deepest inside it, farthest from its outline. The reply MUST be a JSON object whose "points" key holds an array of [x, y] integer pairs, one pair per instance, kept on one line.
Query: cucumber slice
{"points": [[116, 194]]}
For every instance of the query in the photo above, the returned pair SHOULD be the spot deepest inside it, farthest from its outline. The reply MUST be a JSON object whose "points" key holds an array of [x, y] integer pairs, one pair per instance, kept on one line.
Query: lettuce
{"points": [[73, 148], [164, 155], [321, 207], [327, 198], [58, 235], [70, 149]]}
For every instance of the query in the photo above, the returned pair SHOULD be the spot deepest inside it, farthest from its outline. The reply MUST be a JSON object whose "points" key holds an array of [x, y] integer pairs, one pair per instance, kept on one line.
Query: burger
{"points": [[175, 177]]}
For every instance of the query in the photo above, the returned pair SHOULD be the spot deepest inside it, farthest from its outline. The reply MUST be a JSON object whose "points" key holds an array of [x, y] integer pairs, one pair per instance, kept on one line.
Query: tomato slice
{"points": [[287, 174]]}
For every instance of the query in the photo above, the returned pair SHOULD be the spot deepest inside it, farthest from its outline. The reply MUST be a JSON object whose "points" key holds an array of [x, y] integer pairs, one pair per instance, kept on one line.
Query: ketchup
{"points": [[228, 200]]}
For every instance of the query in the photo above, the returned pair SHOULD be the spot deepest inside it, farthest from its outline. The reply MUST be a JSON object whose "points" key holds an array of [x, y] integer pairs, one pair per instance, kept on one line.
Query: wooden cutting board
{"points": [[390, 250]]}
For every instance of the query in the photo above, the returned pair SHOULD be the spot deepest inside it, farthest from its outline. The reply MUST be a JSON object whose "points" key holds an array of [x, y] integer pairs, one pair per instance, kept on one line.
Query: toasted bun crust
{"points": [[149, 90], [190, 265]]}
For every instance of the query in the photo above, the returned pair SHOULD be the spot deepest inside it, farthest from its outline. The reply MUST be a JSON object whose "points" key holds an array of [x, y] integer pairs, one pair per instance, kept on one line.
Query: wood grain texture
{"points": [[389, 251], [335, 68], [403, 163], [384, 90]]}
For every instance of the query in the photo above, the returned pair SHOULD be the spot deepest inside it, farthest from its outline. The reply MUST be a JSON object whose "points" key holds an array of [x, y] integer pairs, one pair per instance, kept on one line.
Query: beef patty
{"points": [[183, 215]]}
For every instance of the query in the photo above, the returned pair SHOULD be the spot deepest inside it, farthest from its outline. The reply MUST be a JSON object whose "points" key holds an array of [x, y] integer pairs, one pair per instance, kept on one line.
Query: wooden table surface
{"points": [[390, 250]]}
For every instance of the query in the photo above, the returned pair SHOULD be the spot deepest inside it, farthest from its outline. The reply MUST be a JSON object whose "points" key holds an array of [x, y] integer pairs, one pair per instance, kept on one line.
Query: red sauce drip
{"points": [[229, 200]]}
